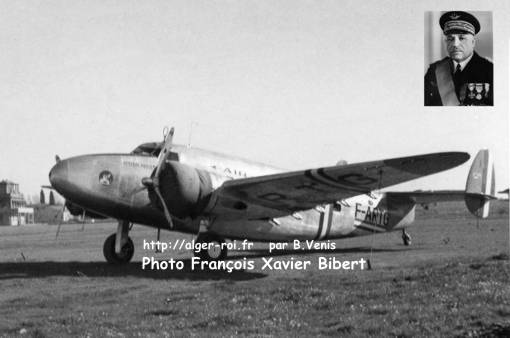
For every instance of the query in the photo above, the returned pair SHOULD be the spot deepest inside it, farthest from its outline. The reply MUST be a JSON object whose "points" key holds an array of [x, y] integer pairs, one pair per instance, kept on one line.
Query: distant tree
{"points": [[52, 198], [41, 199]]}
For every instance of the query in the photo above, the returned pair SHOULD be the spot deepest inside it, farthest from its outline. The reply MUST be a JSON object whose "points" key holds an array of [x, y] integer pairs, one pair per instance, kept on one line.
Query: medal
{"points": [[471, 87], [479, 89]]}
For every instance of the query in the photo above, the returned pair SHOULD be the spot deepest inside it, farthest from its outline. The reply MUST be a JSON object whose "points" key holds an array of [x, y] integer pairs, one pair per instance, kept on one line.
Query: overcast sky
{"points": [[297, 84]]}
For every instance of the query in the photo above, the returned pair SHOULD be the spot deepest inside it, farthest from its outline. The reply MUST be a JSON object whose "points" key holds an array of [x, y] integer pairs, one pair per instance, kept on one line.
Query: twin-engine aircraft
{"points": [[220, 197]]}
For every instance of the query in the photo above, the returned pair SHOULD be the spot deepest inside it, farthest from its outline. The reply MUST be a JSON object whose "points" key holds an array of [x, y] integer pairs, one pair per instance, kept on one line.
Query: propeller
{"points": [[154, 180]]}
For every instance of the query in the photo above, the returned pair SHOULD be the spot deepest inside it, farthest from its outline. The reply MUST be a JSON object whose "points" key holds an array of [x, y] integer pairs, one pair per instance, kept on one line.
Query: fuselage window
{"points": [[173, 156]]}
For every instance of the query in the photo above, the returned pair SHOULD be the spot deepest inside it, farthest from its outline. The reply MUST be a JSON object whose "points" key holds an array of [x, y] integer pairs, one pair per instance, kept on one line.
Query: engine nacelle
{"points": [[186, 190]]}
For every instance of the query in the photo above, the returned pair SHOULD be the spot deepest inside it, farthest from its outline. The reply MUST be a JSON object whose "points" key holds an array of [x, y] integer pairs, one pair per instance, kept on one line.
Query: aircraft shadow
{"points": [[17, 270], [257, 253]]}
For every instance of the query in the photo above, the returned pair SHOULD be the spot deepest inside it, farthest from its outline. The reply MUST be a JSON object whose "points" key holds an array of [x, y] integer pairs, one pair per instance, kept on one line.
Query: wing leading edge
{"points": [[305, 189]]}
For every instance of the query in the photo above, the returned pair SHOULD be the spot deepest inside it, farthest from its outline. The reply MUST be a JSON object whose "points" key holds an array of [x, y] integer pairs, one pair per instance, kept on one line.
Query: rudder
{"points": [[480, 184]]}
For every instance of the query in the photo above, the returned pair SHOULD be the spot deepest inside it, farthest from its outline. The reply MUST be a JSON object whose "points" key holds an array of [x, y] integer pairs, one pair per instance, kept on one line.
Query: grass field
{"points": [[453, 281]]}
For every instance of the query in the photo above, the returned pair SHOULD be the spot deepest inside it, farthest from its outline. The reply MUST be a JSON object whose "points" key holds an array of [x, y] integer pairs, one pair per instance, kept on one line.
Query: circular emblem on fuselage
{"points": [[105, 177]]}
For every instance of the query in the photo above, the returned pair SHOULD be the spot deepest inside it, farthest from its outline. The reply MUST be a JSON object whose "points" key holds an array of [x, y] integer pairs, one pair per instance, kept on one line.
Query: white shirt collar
{"points": [[462, 64]]}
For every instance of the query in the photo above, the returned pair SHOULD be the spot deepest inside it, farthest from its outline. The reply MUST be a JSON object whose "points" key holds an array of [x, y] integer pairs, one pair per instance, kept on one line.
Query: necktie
{"points": [[457, 79]]}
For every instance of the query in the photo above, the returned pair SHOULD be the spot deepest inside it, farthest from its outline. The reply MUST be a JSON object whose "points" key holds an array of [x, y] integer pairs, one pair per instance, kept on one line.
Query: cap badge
{"points": [[454, 16]]}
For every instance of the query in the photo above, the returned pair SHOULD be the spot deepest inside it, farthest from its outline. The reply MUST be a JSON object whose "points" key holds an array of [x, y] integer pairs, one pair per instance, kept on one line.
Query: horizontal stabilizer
{"points": [[431, 196]]}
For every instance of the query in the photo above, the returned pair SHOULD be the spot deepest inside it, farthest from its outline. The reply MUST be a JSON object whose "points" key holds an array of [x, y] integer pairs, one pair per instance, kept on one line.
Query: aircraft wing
{"points": [[305, 189]]}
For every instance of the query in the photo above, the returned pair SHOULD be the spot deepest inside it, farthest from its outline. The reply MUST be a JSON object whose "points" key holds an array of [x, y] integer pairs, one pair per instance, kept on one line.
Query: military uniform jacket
{"points": [[474, 85]]}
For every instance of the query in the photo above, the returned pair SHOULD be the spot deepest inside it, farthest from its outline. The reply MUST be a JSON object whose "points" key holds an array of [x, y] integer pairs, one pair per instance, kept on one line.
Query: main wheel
{"points": [[216, 249], [126, 253]]}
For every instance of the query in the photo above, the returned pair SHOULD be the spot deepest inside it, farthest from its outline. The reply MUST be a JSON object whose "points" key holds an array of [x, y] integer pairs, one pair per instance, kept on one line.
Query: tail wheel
{"points": [[126, 253], [211, 247]]}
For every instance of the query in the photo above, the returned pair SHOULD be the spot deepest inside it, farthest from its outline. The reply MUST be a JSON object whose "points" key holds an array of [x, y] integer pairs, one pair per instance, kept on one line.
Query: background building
{"points": [[13, 207]]}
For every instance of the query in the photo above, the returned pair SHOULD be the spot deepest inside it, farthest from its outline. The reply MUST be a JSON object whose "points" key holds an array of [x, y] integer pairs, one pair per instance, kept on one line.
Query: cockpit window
{"points": [[153, 149]]}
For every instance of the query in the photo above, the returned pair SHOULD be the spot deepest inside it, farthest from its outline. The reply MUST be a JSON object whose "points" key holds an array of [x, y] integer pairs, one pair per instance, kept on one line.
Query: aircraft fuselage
{"points": [[111, 185]]}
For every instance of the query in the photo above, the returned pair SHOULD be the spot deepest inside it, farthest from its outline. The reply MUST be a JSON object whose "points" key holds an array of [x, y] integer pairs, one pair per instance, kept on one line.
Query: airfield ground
{"points": [[453, 281]]}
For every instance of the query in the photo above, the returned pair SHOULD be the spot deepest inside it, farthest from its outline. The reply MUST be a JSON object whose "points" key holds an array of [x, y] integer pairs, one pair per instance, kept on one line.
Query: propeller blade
{"points": [[153, 181], [165, 209], [164, 153]]}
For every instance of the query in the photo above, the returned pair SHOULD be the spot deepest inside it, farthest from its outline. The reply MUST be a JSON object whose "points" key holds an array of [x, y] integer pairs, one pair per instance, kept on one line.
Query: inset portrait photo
{"points": [[458, 59]]}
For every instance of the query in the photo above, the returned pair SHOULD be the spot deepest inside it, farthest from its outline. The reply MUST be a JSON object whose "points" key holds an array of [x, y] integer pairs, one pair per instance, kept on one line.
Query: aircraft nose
{"points": [[59, 175]]}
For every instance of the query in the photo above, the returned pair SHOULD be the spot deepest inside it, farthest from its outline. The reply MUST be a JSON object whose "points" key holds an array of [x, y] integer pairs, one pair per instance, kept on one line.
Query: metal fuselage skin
{"points": [[111, 185]]}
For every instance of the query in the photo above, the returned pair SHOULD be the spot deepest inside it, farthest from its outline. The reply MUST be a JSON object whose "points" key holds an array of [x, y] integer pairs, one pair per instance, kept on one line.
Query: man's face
{"points": [[460, 46]]}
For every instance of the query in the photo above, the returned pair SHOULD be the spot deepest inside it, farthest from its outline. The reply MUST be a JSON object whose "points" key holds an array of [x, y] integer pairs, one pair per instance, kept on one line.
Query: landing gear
{"points": [[212, 247], [118, 248], [406, 238]]}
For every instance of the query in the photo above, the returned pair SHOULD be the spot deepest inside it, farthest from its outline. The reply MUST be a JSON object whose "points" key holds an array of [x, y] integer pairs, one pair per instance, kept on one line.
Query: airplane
{"points": [[219, 197]]}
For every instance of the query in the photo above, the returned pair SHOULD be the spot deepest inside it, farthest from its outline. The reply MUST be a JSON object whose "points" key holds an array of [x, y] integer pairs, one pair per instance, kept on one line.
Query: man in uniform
{"points": [[463, 78]]}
